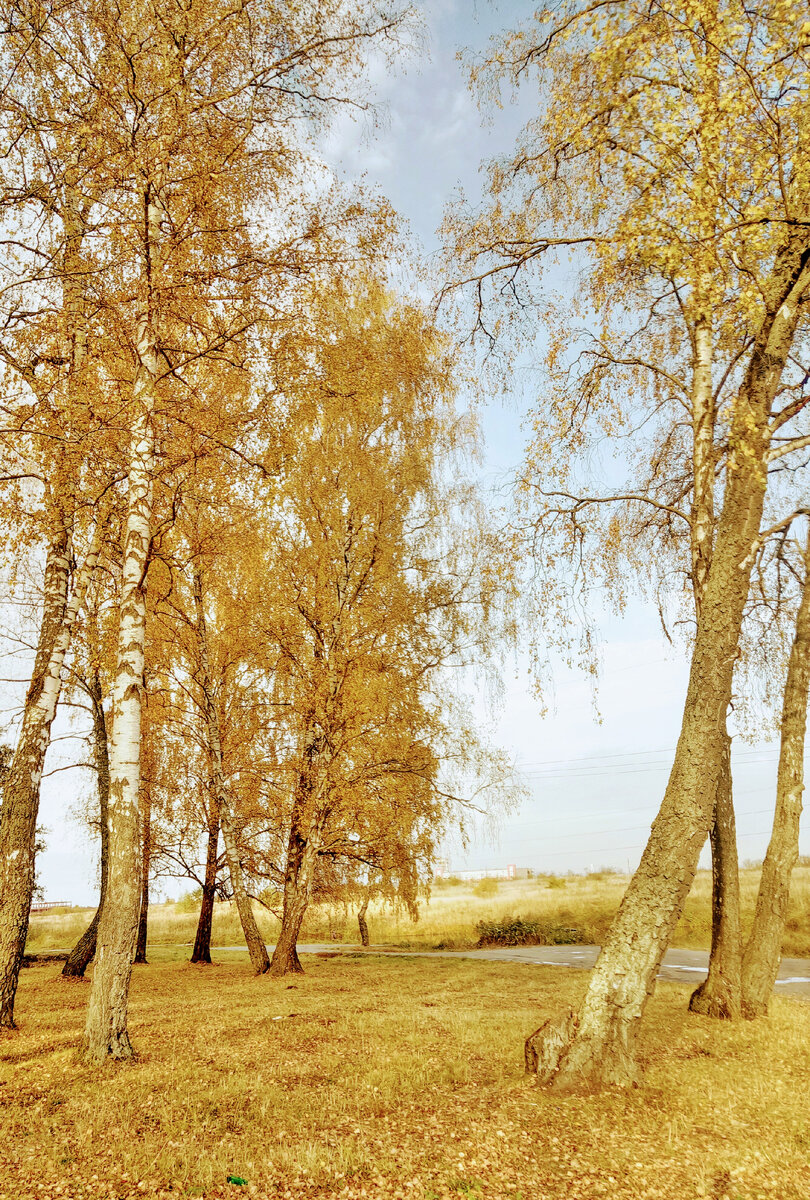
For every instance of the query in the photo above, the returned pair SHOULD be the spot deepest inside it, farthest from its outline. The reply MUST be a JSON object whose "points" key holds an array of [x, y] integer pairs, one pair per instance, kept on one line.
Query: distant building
{"points": [[441, 870], [43, 905]]}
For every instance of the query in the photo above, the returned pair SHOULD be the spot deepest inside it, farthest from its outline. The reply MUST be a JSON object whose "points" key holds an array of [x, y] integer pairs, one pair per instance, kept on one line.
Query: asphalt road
{"points": [[681, 966]]}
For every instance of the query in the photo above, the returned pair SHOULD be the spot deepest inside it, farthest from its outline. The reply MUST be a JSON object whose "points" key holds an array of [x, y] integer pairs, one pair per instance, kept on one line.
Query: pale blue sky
{"points": [[596, 784]]}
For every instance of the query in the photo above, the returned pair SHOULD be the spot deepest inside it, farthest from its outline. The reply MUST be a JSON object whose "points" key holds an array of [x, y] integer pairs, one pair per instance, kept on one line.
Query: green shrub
{"points": [[190, 901], [515, 931], [509, 931], [486, 887]]}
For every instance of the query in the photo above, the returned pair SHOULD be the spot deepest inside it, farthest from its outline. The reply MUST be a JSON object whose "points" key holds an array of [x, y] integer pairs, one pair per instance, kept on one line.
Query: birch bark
{"points": [[596, 1046], [298, 877], [22, 783], [143, 915], [302, 851], [764, 947], [82, 953], [22, 787], [201, 951], [106, 1029], [720, 993], [106, 1033]]}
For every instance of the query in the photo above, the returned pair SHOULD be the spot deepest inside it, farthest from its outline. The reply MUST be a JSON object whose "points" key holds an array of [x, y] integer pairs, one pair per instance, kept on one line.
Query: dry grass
{"points": [[394, 1078], [449, 918]]}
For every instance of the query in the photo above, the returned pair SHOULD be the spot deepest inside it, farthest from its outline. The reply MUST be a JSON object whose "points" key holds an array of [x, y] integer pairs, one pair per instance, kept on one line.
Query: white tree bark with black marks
{"points": [[22, 784], [80, 956], [106, 1033]]}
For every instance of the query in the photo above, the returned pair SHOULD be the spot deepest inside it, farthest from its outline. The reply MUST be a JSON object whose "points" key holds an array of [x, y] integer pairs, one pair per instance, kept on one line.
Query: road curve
{"points": [[681, 966]]}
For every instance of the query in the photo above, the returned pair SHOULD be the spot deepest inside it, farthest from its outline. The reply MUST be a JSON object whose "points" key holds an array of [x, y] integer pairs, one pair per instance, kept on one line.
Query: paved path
{"points": [[682, 966]]}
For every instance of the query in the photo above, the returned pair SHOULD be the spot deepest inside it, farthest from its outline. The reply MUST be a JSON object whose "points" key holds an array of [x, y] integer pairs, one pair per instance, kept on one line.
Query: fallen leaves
{"points": [[358, 1103]]}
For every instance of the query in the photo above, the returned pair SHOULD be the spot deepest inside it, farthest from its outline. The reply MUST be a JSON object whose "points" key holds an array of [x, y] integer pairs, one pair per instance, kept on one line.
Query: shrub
{"points": [[486, 887], [563, 935], [510, 931], [190, 901], [556, 881], [515, 931]]}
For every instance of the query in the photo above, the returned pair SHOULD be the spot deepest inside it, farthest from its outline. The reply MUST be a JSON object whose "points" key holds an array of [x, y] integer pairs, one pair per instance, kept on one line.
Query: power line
{"points": [[596, 759], [557, 837]]}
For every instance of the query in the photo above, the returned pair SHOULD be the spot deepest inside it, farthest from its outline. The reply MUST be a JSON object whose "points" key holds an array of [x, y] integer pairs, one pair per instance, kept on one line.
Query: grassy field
{"points": [[448, 919], [376, 1077]]}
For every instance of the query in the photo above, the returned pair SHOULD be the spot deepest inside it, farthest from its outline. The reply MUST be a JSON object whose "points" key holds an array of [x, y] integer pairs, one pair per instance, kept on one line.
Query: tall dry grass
{"points": [[449, 917]]}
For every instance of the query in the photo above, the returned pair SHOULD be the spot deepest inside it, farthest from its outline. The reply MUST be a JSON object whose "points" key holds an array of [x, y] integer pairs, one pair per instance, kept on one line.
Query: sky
{"points": [[595, 767]]}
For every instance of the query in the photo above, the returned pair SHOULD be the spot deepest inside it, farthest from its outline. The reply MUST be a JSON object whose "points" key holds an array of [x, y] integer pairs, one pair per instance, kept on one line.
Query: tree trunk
{"points": [[363, 924], [106, 1033], [297, 890], [201, 953], [143, 918], [764, 947], [597, 1046], [24, 776], [22, 781], [253, 938], [82, 953], [305, 830], [720, 993], [244, 906]]}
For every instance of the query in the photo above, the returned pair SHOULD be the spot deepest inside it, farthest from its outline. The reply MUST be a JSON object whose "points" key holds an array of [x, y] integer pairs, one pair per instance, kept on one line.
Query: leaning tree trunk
{"points": [[244, 906], [764, 947], [596, 1046], [82, 953], [201, 952], [720, 993], [143, 917], [298, 877], [22, 782], [106, 1033], [363, 923], [255, 942]]}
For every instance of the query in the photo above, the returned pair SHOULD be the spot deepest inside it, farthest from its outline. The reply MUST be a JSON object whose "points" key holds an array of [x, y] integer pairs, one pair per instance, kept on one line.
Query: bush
{"points": [[556, 881], [486, 887], [515, 931], [190, 901], [511, 931]]}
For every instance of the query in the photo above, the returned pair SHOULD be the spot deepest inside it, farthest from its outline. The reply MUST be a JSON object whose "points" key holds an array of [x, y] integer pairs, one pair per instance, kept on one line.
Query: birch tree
{"points": [[48, 435], [635, 162], [197, 116], [762, 954], [367, 596]]}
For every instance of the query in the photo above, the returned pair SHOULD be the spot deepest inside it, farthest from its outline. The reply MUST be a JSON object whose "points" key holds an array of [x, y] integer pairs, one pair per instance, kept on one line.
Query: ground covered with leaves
{"points": [[380, 1077]]}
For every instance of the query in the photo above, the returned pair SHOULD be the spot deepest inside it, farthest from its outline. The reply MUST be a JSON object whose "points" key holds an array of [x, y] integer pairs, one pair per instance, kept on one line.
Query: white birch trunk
{"points": [[106, 1033], [763, 950], [22, 785]]}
